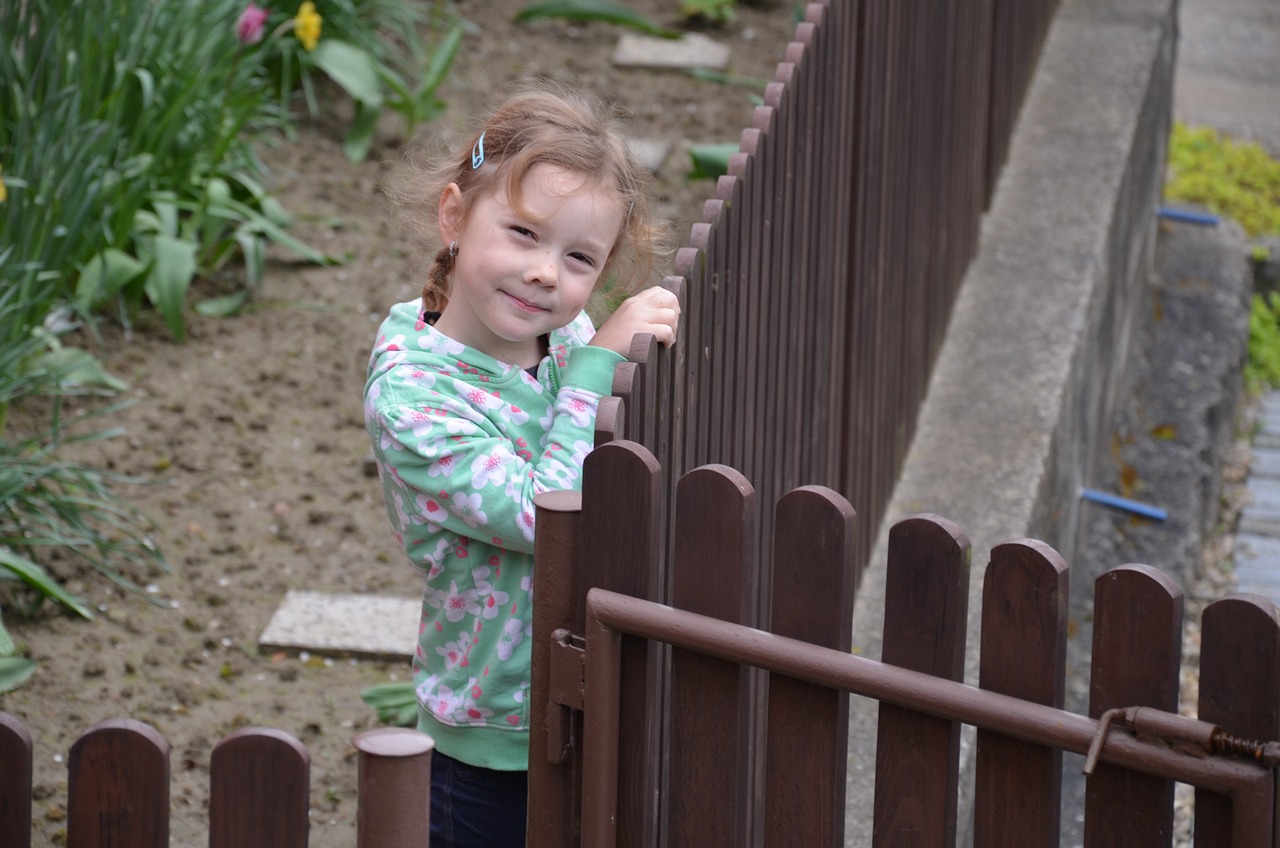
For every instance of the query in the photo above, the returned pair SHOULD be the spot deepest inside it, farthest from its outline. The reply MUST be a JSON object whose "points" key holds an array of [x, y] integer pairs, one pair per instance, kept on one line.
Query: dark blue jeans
{"points": [[474, 807]]}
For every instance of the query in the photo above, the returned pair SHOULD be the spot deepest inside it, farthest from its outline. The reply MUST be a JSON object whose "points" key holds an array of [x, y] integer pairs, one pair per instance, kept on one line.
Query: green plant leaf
{"points": [[711, 161], [351, 68], [7, 648], [594, 10], [104, 276], [77, 367], [356, 145], [172, 268], [14, 672], [37, 578], [225, 306]]}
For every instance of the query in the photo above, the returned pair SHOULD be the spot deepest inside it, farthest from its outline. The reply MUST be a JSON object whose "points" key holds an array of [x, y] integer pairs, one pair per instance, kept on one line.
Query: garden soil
{"points": [[251, 438]]}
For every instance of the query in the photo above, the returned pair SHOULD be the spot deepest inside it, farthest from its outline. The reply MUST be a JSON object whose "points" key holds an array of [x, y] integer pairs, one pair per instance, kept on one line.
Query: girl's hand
{"points": [[655, 311]]}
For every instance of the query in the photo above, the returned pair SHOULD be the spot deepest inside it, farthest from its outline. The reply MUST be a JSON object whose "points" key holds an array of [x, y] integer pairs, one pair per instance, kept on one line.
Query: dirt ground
{"points": [[252, 434]]}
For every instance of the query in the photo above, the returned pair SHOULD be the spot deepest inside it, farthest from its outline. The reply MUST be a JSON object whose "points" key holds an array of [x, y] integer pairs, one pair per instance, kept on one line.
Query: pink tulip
{"points": [[252, 22]]}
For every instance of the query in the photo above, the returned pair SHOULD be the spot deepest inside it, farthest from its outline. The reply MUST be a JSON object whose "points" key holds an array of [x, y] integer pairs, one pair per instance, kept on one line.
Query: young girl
{"points": [[483, 393]]}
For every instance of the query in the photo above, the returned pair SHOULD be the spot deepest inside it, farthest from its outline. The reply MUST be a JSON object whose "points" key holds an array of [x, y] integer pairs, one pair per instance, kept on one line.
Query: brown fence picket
{"points": [[622, 503], [813, 584], [1017, 791], [714, 574], [1239, 691], [1137, 652], [259, 790], [925, 612], [554, 761], [15, 782], [118, 787]]}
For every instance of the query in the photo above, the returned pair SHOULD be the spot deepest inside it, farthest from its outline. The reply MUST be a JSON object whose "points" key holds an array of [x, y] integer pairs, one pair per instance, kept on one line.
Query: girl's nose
{"points": [[543, 271]]}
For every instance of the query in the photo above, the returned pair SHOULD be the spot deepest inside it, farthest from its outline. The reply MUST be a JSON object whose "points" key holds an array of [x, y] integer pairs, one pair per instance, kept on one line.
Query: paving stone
{"points": [[382, 626], [691, 50]]}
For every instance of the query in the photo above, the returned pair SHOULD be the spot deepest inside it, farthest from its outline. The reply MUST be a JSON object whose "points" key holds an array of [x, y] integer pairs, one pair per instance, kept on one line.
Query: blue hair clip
{"points": [[477, 153]]}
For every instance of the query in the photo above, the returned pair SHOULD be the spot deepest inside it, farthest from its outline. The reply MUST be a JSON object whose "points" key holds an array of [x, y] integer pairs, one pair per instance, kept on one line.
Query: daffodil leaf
{"points": [[36, 577]]}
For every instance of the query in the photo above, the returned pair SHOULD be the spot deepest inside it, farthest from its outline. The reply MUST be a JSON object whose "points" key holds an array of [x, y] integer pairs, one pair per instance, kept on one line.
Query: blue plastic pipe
{"points": [[1187, 216], [1136, 507]]}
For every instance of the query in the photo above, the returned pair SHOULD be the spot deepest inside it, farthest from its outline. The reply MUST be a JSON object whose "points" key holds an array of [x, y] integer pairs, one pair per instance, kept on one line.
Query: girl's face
{"points": [[517, 277]]}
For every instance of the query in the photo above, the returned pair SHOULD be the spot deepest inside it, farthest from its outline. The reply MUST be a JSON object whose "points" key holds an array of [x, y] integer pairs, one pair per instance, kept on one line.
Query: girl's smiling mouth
{"points": [[524, 304]]}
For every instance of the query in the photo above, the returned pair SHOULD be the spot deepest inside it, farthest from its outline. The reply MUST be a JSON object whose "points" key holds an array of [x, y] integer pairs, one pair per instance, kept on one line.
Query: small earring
{"points": [[453, 249]]}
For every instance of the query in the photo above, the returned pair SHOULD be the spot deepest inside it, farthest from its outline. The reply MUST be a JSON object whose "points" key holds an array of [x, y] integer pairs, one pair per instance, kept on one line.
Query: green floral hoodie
{"points": [[463, 442]]}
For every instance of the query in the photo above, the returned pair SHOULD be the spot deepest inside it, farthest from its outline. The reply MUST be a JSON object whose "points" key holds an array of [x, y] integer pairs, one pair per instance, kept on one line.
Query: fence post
{"points": [[1018, 789], [259, 790], [808, 726], [1239, 691], [554, 757], [15, 782], [394, 802], [118, 787], [925, 615], [1137, 652]]}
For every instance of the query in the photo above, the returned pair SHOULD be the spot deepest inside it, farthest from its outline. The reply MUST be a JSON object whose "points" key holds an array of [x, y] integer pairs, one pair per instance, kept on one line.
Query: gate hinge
{"points": [[567, 682], [568, 669]]}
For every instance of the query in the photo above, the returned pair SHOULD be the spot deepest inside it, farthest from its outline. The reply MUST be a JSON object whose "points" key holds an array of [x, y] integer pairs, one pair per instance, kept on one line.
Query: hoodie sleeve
{"points": [[457, 457]]}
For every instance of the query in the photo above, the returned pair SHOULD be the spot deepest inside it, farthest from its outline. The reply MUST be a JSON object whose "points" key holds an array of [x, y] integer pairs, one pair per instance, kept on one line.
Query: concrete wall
{"points": [[1016, 418]]}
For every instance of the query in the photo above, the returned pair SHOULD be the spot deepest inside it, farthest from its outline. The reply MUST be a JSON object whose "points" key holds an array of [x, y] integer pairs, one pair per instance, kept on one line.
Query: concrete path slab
{"points": [[376, 626], [691, 50]]}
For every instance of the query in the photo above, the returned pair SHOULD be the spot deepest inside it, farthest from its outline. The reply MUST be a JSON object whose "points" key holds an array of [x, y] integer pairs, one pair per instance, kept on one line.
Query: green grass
{"points": [[1236, 180]]}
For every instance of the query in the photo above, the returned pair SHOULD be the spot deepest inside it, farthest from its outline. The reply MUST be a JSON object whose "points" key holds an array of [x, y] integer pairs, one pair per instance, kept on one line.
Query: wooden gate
{"points": [[735, 734]]}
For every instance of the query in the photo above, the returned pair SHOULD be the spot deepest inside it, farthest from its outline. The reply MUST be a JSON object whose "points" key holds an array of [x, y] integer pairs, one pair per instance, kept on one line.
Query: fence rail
{"points": [[639, 744]]}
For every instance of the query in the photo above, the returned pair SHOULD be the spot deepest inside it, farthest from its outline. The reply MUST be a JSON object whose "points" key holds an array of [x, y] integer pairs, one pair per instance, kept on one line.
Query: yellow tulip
{"points": [[306, 25]]}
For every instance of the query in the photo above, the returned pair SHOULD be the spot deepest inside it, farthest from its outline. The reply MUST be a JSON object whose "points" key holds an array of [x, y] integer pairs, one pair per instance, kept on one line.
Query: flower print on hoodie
{"points": [[463, 443]]}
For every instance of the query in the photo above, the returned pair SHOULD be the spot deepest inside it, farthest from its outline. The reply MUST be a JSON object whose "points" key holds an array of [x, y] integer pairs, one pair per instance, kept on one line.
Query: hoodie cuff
{"points": [[591, 368]]}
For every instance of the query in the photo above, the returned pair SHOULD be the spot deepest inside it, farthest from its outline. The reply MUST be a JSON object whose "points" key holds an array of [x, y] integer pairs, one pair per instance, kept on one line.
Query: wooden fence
{"points": [[700, 723], [638, 744], [818, 284], [259, 793]]}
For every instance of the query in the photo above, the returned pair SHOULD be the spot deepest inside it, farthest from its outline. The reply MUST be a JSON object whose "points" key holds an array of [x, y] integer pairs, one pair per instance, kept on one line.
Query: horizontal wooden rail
{"points": [[1249, 785]]}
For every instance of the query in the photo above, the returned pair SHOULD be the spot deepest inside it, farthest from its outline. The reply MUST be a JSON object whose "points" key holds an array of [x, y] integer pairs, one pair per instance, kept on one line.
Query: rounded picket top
{"points": [[814, 567], [610, 420], [15, 781], [259, 790], [935, 534], [118, 786]]}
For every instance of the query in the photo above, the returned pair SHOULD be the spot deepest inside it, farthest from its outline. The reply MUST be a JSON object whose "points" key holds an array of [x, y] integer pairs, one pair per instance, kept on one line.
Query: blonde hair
{"points": [[541, 124]]}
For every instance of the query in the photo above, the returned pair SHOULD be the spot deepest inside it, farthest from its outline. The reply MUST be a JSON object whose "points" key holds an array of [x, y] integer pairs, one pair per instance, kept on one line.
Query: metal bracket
{"points": [[568, 672]]}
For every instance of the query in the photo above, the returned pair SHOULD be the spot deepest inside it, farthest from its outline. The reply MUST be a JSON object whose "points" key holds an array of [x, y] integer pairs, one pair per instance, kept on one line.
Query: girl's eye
{"points": [[524, 231], [584, 259]]}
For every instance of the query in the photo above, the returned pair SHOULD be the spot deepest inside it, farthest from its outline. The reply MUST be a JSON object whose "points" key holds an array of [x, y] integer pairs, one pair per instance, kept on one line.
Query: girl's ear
{"points": [[451, 213]]}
